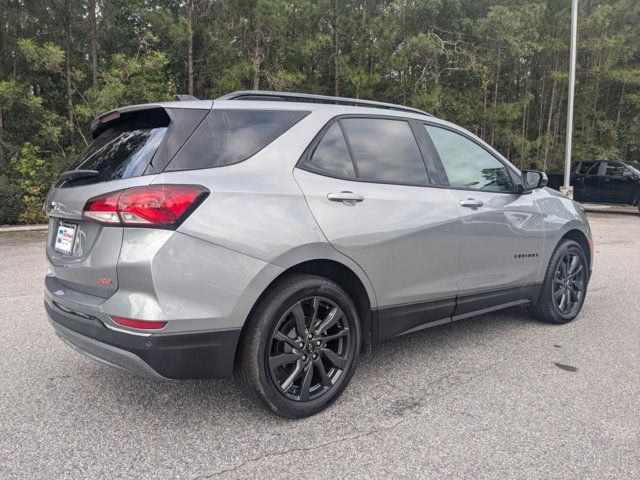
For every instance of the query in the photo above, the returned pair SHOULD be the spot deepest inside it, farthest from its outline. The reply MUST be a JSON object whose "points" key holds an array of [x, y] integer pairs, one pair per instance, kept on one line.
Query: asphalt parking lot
{"points": [[499, 396]]}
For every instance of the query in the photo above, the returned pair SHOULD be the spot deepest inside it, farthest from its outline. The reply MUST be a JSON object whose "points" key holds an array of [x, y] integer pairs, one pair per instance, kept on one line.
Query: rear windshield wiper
{"points": [[75, 174]]}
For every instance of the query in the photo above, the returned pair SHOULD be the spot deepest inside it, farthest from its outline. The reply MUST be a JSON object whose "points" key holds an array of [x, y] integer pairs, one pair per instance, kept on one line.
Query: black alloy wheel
{"points": [[564, 288], [569, 284], [300, 347], [308, 349]]}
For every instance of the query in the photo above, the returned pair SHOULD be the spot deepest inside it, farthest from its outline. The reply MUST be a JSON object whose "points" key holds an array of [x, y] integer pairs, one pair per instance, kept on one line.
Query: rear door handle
{"points": [[345, 197], [471, 203]]}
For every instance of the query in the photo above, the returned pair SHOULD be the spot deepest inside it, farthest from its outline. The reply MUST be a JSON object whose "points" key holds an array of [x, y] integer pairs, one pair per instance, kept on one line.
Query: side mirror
{"points": [[532, 179], [627, 173]]}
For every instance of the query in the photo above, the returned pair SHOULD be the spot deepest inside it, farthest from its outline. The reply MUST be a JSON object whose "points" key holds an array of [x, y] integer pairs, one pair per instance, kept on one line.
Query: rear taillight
{"points": [[160, 206], [141, 324]]}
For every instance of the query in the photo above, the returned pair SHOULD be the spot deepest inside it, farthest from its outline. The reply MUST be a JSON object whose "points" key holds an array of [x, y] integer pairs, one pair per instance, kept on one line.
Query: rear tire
{"points": [[300, 347], [565, 284]]}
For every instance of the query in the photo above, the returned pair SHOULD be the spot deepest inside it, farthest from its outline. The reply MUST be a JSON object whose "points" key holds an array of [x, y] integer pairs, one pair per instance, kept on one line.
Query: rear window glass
{"points": [[231, 136], [121, 151]]}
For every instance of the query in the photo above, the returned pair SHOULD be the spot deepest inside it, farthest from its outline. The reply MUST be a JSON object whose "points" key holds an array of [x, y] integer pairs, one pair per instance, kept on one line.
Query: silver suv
{"points": [[277, 235]]}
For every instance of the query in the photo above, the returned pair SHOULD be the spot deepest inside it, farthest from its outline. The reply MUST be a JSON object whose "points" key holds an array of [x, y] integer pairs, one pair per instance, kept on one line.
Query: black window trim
{"points": [[513, 175], [304, 160], [347, 142], [429, 154]]}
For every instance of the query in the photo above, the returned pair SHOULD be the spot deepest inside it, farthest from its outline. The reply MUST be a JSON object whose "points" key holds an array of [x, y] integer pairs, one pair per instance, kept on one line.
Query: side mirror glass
{"points": [[533, 179]]}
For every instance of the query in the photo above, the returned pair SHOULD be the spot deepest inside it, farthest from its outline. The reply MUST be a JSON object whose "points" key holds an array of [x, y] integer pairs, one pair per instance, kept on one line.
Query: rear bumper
{"points": [[160, 356]]}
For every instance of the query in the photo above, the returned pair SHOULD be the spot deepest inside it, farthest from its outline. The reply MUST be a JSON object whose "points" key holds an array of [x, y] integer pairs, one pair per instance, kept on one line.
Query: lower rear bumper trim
{"points": [[170, 356], [103, 353]]}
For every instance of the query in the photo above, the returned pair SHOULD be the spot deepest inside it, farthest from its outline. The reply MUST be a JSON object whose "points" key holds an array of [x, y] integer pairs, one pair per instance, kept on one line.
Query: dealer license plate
{"points": [[65, 236]]}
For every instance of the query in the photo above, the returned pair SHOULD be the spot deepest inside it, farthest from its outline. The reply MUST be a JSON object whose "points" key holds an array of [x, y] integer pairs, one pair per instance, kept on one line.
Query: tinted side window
{"points": [[467, 164], [230, 136], [595, 169], [585, 167], [385, 151], [615, 170], [332, 155]]}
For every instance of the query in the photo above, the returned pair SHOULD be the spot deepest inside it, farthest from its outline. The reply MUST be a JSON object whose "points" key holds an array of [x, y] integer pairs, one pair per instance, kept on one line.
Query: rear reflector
{"points": [[141, 324], [159, 206]]}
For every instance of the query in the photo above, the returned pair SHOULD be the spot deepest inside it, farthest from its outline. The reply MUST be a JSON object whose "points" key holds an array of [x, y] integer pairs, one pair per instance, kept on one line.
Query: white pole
{"points": [[567, 190]]}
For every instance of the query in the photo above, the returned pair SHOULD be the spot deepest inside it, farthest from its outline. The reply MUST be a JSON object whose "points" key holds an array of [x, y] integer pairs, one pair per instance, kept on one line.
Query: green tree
{"points": [[497, 67]]}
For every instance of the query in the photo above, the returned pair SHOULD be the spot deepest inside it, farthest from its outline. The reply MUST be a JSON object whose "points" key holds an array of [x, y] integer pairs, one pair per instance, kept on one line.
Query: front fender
{"points": [[560, 215]]}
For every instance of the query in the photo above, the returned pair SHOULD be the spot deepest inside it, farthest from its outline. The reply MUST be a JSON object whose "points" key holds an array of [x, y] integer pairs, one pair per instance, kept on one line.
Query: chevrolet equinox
{"points": [[275, 236]]}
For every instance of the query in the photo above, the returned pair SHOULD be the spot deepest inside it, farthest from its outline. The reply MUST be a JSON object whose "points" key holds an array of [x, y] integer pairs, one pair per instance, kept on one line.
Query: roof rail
{"points": [[185, 98], [284, 96]]}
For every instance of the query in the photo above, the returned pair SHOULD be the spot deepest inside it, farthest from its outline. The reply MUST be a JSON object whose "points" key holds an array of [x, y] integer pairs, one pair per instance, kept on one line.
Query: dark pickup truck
{"points": [[603, 182]]}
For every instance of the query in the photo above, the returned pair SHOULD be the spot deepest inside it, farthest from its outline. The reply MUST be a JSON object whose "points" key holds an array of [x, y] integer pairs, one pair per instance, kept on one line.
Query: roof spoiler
{"points": [[102, 122], [98, 124]]}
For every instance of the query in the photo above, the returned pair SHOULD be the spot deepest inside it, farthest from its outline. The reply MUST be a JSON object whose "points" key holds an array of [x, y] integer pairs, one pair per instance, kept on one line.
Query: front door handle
{"points": [[471, 203], [345, 196]]}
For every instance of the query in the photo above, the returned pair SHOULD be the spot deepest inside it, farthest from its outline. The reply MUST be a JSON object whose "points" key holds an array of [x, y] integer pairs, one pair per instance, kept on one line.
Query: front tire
{"points": [[300, 347], [565, 284]]}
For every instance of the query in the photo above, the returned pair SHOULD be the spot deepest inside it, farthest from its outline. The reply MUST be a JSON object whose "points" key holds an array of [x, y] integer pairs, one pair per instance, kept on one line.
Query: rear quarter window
{"points": [[331, 156], [226, 137]]}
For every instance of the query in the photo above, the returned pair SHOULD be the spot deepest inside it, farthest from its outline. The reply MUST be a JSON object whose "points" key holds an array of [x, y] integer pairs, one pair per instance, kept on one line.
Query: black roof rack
{"points": [[284, 96]]}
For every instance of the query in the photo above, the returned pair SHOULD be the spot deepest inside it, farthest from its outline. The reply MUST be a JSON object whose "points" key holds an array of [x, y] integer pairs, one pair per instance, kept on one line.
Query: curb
{"points": [[23, 228], [595, 208]]}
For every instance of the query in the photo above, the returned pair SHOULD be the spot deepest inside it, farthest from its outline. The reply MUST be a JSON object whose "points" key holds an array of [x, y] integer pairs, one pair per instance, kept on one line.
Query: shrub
{"points": [[36, 175], [10, 201]]}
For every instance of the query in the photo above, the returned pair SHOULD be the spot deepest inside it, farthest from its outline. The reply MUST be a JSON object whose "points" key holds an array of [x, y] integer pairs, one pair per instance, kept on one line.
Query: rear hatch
{"points": [[129, 148]]}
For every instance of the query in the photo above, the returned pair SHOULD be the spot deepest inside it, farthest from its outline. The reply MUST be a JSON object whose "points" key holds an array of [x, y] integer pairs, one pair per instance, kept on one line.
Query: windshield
{"points": [[634, 167]]}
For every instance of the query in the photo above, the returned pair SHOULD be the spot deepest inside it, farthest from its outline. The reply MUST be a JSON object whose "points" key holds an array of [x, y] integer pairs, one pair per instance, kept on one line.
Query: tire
{"points": [[563, 278], [292, 376]]}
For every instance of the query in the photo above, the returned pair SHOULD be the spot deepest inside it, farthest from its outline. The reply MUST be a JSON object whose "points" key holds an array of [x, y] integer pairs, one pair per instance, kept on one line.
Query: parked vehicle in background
{"points": [[276, 239], [603, 182]]}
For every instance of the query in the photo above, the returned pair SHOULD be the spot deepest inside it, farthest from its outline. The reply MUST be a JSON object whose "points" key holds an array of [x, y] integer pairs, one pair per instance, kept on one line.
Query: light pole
{"points": [[566, 188]]}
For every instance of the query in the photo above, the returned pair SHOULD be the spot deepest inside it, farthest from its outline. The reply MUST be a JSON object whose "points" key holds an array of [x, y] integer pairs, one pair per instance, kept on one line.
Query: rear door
{"points": [[501, 231], [618, 184], [580, 188], [366, 184], [83, 254], [592, 188]]}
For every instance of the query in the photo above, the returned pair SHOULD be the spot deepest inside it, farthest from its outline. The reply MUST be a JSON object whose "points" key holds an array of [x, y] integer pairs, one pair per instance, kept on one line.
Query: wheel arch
{"points": [[347, 279], [581, 239]]}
